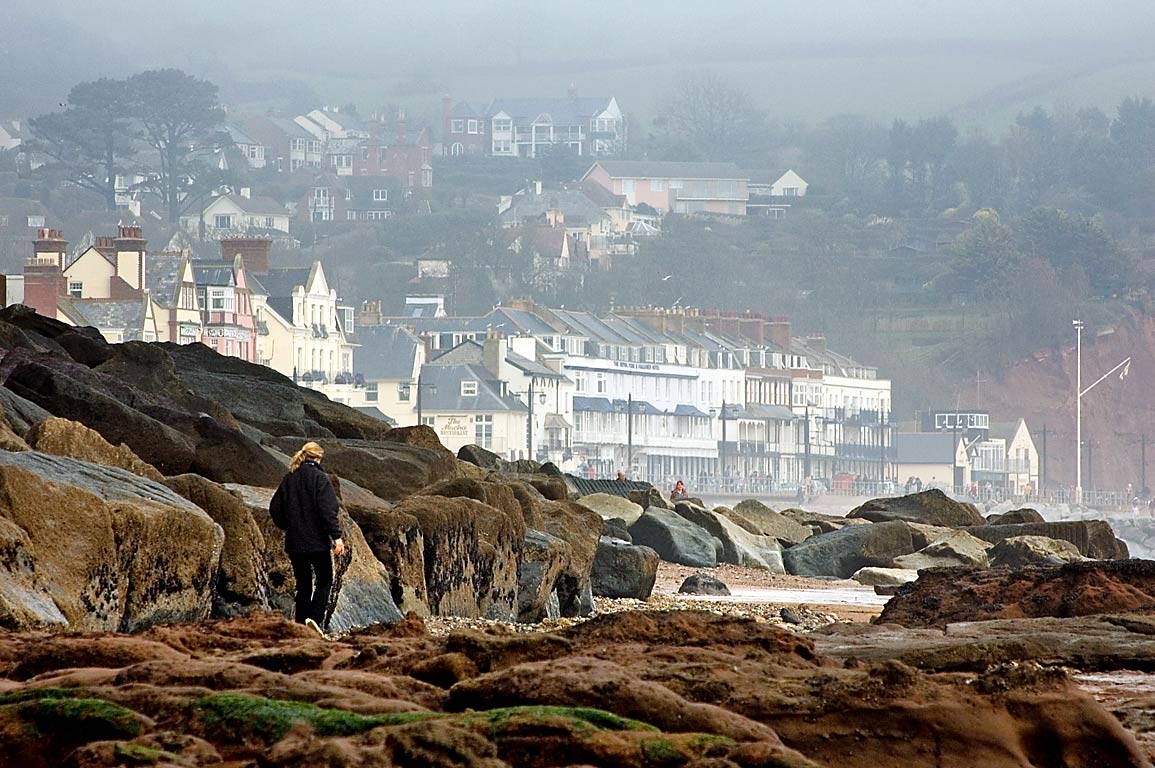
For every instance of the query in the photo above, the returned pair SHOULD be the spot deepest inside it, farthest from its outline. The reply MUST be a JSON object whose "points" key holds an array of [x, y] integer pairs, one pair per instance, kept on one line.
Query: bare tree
{"points": [[717, 119]]}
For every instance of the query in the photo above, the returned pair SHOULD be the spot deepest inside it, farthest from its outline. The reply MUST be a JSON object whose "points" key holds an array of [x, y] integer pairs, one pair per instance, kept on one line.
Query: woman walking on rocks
{"points": [[305, 508]]}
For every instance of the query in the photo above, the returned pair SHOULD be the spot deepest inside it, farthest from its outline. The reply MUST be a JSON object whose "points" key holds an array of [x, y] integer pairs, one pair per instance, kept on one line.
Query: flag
{"points": [[1126, 368]]}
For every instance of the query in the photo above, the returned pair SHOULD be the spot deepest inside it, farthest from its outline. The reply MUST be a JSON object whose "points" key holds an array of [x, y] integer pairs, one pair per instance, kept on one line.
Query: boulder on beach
{"points": [[951, 548], [674, 538], [739, 546], [1093, 538], [581, 528], [609, 506], [1015, 517], [703, 584], [884, 577], [62, 437], [649, 497], [1023, 551], [543, 559], [931, 507], [760, 519], [840, 553], [622, 569]]}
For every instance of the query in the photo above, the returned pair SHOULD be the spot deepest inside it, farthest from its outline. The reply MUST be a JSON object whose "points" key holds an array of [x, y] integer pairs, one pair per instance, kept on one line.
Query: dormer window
{"points": [[380, 195], [469, 389]]}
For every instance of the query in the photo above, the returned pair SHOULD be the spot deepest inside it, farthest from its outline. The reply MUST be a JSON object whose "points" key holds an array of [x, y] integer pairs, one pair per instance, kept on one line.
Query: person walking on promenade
{"points": [[305, 508]]}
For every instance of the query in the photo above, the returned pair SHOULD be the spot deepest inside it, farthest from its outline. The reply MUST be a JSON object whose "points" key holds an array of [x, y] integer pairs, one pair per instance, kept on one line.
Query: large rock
{"points": [[622, 569], [758, 518], [1024, 551], [243, 581], [609, 506], [362, 594], [817, 522], [479, 457], [395, 539], [703, 584], [471, 556], [543, 559], [739, 546], [497, 495], [953, 548], [581, 528], [840, 553], [674, 538], [932, 507], [649, 497], [1016, 517], [62, 437], [99, 548], [1094, 538], [948, 595], [883, 577], [389, 470]]}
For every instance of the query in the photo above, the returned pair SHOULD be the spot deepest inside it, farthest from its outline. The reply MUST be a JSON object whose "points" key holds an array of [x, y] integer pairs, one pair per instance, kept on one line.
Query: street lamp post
{"points": [[420, 386], [1079, 392], [630, 435], [806, 440]]}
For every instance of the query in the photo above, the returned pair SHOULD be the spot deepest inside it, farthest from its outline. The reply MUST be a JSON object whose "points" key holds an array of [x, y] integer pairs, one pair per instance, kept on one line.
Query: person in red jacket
{"points": [[305, 508], [679, 492]]}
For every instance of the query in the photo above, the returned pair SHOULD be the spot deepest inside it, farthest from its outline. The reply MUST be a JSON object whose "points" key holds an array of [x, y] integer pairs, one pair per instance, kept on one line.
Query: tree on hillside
{"points": [[90, 141], [717, 119], [1070, 240], [984, 256], [180, 117]]}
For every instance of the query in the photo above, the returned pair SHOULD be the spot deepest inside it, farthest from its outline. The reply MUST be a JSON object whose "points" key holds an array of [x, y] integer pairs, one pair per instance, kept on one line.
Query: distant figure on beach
{"points": [[621, 476], [679, 492], [305, 508]]}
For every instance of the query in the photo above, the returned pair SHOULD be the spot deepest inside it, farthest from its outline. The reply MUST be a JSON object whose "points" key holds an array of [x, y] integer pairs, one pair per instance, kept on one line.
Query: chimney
{"points": [[44, 279], [129, 247], [254, 251], [493, 352], [778, 330], [446, 109], [370, 314], [817, 341], [401, 138]]}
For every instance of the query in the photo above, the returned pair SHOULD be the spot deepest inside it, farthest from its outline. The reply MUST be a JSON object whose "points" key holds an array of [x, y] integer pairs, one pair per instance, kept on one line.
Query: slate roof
{"points": [[279, 283], [463, 109], [777, 412], [290, 128], [387, 352], [263, 206], [924, 447], [533, 367], [113, 315], [376, 413], [573, 204], [690, 410], [212, 274], [444, 390], [238, 136], [660, 169], [282, 305], [561, 111]]}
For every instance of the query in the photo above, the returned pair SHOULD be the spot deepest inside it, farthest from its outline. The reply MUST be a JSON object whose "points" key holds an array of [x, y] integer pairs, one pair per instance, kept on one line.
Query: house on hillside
{"points": [[387, 364], [112, 268], [236, 214], [590, 126], [351, 198], [226, 306], [11, 134], [249, 148], [172, 287], [773, 192], [463, 129], [467, 404], [288, 146], [674, 187]]}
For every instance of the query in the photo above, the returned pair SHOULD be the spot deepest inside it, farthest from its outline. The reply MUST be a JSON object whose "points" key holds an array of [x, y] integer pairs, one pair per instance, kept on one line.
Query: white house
{"points": [[11, 134], [236, 214], [583, 125]]}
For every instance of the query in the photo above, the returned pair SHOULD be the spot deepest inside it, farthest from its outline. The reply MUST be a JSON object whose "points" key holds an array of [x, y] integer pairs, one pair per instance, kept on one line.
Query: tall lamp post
{"points": [[1079, 392], [420, 386], [530, 396]]}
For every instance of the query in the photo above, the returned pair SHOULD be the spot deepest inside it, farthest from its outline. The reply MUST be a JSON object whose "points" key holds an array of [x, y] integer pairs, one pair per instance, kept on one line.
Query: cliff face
{"points": [[1115, 414]]}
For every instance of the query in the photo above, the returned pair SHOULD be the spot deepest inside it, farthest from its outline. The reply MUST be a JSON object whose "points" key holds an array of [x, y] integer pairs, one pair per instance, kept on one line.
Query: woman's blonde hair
{"points": [[310, 451]]}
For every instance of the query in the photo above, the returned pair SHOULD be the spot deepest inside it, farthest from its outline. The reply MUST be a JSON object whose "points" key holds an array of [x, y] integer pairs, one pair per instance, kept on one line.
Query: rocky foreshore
{"points": [[489, 615]]}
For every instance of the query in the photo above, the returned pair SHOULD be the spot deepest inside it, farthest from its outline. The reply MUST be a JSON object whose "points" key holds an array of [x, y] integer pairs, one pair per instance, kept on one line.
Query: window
{"points": [[469, 389], [428, 421], [380, 194], [502, 147], [314, 146], [403, 390], [3, 221], [254, 152], [472, 126], [790, 191], [412, 179], [378, 215], [457, 126], [601, 383], [457, 149], [76, 289], [579, 381], [350, 215], [270, 222], [223, 221], [483, 430], [221, 300], [676, 183], [502, 125], [321, 194], [657, 185], [342, 161], [36, 221], [371, 391], [628, 187], [297, 145]]}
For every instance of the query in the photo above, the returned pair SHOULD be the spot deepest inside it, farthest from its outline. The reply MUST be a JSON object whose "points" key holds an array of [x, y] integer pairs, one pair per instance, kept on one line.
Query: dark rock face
{"points": [[738, 545], [581, 528], [1094, 538], [479, 456], [674, 538], [621, 569], [949, 595], [1016, 517], [840, 553], [931, 507], [616, 528], [703, 584], [543, 559], [650, 497], [471, 556], [389, 470]]}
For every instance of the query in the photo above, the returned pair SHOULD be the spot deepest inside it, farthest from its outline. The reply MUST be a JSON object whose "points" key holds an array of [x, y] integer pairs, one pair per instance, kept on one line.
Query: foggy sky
{"points": [[979, 60]]}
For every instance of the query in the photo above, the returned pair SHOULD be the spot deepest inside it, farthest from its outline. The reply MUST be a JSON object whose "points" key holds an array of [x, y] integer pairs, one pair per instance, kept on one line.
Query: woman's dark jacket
{"points": [[305, 508]]}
